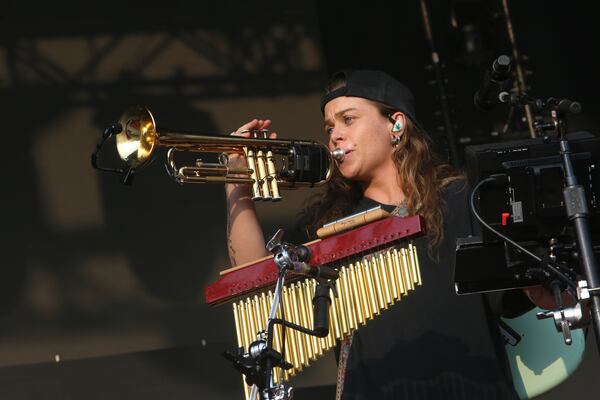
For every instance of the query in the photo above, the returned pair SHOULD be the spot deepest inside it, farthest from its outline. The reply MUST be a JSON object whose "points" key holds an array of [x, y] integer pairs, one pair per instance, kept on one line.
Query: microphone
{"points": [[321, 303], [488, 95], [112, 130], [323, 272], [564, 106]]}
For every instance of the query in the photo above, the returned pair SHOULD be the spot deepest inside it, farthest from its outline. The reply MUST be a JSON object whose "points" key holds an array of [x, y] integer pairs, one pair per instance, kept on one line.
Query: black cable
{"points": [[548, 265]]}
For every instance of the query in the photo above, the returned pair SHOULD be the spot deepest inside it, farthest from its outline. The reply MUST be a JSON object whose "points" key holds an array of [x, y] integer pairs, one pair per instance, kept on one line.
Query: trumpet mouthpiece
{"points": [[338, 154]]}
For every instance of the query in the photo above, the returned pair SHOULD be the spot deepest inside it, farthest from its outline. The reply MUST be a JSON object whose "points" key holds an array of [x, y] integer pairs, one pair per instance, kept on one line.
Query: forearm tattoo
{"points": [[232, 212], [230, 247]]}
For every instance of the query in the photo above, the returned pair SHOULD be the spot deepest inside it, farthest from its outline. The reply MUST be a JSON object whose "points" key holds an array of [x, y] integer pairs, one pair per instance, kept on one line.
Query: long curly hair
{"points": [[422, 174]]}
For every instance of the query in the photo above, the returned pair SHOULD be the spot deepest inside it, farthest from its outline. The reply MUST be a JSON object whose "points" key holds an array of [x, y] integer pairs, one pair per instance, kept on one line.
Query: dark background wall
{"points": [[95, 274]]}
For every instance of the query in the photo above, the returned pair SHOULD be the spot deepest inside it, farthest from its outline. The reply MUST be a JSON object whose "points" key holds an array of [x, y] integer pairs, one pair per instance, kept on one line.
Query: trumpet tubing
{"points": [[271, 164]]}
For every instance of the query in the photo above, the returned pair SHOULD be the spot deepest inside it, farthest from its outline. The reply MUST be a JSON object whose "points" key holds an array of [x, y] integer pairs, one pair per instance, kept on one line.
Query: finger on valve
{"points": [[238, 160], [246, 129]]}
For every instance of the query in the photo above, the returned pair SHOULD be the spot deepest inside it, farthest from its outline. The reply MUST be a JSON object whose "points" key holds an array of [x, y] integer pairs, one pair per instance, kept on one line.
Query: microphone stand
{"points": [[258, 363], [577, 211], [269, 388]]}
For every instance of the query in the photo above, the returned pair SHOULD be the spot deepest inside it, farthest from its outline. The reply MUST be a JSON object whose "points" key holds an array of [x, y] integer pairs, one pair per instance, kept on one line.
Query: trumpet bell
{"points": [[136, 141]]}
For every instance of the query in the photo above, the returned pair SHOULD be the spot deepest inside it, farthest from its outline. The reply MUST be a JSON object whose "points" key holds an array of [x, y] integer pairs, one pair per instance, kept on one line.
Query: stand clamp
{"points": [[569, 318], [565, 320]]}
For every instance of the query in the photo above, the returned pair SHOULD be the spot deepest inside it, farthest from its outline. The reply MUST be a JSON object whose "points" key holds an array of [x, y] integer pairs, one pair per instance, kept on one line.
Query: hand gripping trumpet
{"points": [[270, 163]]}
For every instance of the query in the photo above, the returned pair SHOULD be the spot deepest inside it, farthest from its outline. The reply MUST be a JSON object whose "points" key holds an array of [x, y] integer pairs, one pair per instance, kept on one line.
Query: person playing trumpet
{"points": [[434, 344]]}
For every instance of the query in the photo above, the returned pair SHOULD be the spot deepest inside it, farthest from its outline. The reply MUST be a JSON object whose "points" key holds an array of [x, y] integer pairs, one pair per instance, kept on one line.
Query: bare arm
{"points": [[245, 238]]}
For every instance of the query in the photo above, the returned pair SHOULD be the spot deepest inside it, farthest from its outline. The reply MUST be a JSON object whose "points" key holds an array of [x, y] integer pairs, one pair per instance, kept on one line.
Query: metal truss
{"points": [[253, 59]]}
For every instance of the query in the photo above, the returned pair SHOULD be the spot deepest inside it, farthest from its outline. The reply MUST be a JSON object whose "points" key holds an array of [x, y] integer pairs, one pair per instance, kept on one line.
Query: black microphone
{"points": [[303, 268], [488, 95], [322, 272], [321, 303], [112, 130], [567, 106], [564, 106]]}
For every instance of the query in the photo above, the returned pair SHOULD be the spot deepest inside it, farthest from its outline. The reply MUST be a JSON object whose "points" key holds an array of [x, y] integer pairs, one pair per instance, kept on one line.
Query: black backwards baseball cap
{"points": [[373, 85]]}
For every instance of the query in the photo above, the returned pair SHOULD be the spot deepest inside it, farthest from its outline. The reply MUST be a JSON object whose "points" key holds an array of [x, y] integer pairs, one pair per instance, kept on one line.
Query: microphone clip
{"points": [[329, 284], [286, 255], [127, 173], [293, 258]]}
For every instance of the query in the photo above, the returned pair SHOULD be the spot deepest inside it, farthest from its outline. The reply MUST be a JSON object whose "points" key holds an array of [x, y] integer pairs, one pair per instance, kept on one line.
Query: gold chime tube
{"points": [[368, 274], [360, 317], [389, 265], [378, 284], [415, 263], [291, 335], [407, 269], [352, 325], [364, 297], [384, 278]]}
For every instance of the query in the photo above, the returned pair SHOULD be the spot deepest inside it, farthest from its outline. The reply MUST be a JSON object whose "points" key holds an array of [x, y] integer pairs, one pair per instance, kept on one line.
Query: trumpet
{"points": [[270, 163]]}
